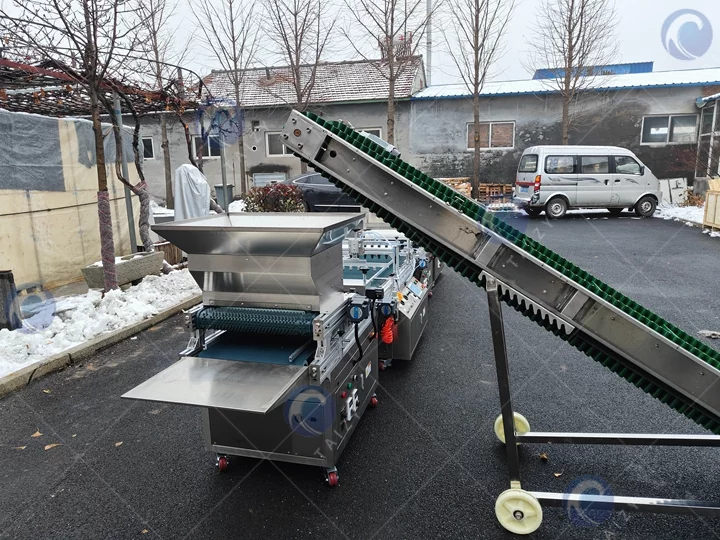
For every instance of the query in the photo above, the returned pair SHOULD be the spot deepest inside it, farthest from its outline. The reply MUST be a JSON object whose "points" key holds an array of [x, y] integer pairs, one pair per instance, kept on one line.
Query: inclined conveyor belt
{"points": [[638, 345]]}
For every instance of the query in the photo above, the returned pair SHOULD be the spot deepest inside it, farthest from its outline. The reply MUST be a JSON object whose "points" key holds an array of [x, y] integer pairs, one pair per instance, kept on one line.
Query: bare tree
{"points": [[573, 38], [231, 34], [398, 27], [160, 45], [86, 40], [301, 30], [477, 28]]}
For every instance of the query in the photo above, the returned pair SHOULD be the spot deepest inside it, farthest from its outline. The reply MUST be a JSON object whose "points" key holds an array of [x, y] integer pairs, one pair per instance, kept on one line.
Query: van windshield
{"points": [[528, 163]]}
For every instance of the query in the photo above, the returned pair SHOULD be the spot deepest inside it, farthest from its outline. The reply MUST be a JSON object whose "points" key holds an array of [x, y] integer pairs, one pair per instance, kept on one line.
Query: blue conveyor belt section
{"points": [[260, 348]]}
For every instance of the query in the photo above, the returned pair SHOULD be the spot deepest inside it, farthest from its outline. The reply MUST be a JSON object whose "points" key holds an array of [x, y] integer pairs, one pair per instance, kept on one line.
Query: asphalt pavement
{"points": [[424, 464]]}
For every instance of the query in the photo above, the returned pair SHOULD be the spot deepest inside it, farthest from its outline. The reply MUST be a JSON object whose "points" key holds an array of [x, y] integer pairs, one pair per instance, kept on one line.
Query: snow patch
{"points": [[237, 206], [80, 318], [693, 214]]}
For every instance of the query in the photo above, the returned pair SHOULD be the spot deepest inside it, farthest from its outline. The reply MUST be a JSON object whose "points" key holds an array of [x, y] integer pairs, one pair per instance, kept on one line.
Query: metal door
{"points": [[628, 182], [594, 181]]}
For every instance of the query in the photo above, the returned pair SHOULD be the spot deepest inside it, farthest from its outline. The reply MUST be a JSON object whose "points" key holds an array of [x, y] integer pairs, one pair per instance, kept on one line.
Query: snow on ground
{"points": [[237, 206], [158, 210], [73, 320], [681, 213]]}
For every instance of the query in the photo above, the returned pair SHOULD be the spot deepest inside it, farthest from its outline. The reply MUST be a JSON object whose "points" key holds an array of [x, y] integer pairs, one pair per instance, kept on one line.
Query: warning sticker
{"points": [[368, 369]]}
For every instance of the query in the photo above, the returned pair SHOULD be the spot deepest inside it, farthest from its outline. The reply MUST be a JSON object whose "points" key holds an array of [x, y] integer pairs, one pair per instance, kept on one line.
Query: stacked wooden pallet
{"points": [[486, 192], [712, 211]]}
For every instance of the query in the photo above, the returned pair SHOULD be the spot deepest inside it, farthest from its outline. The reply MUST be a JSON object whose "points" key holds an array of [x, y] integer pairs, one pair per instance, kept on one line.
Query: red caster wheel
{"points": [[374, 402], [222, 463], [333, 479], [430, 293], [382, 366]]}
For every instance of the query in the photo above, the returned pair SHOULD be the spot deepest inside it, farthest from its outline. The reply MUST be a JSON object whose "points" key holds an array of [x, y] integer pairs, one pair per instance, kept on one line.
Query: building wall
{"points": [[438, 130], [48, 206], [361, 115]]}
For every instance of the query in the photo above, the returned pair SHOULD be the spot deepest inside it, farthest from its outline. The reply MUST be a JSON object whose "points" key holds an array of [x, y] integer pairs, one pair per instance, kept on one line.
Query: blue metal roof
{"points": [[633, 81], [609, 69]]}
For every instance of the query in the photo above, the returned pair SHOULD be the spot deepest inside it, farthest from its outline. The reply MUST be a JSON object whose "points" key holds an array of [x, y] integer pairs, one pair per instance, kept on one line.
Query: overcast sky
{"points": [[639, 31]]}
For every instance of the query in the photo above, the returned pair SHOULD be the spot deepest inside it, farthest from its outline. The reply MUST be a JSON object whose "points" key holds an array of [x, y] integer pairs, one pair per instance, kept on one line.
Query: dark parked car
{"points": [[322, 196]]}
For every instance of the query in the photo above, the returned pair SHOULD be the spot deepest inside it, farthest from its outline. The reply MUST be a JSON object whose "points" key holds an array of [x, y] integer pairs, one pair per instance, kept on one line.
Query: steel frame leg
{"points": [[597, 502], [503, 375]]}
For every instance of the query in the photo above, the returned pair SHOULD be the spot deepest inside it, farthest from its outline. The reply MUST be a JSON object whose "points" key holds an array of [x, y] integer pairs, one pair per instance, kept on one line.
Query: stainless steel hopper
{"points": [[267, 260]]}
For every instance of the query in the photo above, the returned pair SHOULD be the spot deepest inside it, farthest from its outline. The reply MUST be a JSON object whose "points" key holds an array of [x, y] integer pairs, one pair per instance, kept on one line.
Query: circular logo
{"points": [[584, 513], [38, 312], [222, 119], [687, 34], [309, 411]]}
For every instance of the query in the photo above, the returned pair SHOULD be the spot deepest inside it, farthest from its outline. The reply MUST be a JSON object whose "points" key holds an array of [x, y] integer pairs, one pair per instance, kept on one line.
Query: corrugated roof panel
{"points": [[657, 79]]}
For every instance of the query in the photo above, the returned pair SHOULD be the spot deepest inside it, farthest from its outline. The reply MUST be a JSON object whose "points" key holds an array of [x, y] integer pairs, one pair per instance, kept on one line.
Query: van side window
{"points": [[626, 165], [528, 163], [595, 164], [560, 165]]}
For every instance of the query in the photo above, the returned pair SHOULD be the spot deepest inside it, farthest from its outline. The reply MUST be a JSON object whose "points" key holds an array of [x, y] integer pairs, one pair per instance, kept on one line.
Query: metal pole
{"points": [[223, 170], [128, 193], [503, 376]]}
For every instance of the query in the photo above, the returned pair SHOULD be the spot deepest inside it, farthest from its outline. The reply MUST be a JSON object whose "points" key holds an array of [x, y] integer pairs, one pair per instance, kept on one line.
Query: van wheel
{"points": [[615, 211], [645, 207], [556, 208], [533, 212]]}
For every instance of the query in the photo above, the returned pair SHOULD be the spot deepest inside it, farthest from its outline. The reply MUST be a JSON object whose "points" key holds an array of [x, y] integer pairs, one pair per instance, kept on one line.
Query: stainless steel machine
{"points": [[283, 359], [407, 273], [640, 346]]}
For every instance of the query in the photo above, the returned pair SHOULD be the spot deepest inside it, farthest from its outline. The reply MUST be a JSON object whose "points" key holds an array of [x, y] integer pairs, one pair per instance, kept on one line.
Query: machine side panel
{"points": [[652, 353]]}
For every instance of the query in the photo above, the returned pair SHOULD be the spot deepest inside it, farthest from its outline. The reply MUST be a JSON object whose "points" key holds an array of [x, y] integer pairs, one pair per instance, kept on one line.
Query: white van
{"points": [[556, 178]]}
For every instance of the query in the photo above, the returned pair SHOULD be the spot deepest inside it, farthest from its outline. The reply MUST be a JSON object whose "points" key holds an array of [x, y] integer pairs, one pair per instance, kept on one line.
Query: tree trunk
{"points": [[107, 247], [169, 197], [566, 121], [475, 181], [391, 113], [243, 175]]}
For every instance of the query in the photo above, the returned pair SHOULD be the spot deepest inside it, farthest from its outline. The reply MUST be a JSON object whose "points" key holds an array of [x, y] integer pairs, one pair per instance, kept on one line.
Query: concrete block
{"points": [[128, 269]]}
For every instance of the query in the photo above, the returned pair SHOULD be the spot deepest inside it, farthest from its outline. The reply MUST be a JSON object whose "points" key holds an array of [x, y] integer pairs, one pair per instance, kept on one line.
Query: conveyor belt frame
{"points": [[586, 501]]}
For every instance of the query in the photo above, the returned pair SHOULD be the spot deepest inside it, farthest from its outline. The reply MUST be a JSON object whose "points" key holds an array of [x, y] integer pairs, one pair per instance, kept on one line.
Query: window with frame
{"points": [[595, 164], [560, 165], [528, 163], [148, 148], [273, 146], [493, 135], [670, 129], [626, 165], [208, 149]]}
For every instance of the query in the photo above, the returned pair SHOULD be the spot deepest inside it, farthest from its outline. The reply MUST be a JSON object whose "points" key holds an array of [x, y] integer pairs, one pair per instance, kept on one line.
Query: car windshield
{"points": [[528, 163]]}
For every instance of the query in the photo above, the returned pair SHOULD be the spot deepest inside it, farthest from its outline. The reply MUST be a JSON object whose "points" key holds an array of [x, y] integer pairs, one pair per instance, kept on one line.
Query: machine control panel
{"points": [[411, 297]]}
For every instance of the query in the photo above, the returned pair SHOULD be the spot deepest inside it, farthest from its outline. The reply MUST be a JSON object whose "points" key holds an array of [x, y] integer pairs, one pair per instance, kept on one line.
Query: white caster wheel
{"points": [[518, 511], [521, 426]]}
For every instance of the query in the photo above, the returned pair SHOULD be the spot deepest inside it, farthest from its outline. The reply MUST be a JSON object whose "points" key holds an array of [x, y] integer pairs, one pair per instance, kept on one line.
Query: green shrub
{"points": [[274, 198]]}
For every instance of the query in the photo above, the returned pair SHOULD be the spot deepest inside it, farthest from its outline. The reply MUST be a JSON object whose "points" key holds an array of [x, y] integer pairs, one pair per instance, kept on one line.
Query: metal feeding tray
{"points": [[221, 384], [263, 233]]}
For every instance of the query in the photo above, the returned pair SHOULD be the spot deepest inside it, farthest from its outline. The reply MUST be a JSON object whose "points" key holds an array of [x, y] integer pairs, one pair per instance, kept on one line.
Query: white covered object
{"points": [[192, 193]]}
